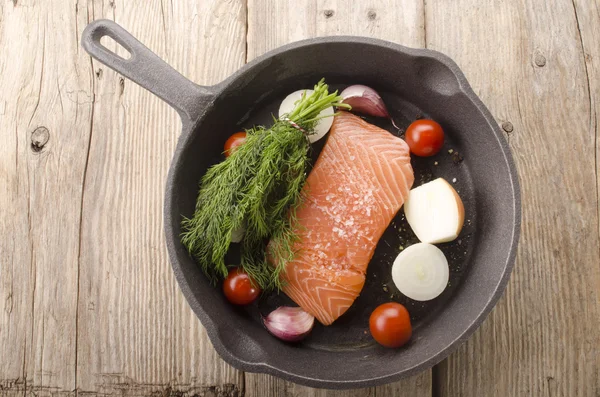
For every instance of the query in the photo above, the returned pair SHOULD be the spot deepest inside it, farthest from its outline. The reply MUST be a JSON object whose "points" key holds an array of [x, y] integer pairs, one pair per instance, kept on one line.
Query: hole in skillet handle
{"points": [[108, 42], [102, 35]]}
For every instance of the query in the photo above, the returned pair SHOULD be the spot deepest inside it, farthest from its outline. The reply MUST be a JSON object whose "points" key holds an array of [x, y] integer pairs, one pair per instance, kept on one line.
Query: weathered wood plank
{"points": [[273, 23], [136, 333], [525, 60], [45, 112], [588, 16]]}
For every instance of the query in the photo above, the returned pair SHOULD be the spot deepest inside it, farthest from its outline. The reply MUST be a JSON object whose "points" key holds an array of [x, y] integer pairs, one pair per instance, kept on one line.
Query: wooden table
{"points": [[88, 302]]}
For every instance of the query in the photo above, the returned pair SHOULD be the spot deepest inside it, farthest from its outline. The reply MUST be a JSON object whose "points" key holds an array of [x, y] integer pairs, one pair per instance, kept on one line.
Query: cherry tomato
{"points": [[233, 142], [424, 137], [239, 288], [390, 324]]}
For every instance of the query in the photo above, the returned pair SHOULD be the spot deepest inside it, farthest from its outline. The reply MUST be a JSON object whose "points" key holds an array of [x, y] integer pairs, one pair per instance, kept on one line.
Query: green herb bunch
{"points": [[257, 187]]}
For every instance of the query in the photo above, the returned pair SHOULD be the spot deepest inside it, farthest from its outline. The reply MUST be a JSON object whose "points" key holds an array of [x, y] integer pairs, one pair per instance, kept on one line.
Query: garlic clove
{"points": [[290, 324]]}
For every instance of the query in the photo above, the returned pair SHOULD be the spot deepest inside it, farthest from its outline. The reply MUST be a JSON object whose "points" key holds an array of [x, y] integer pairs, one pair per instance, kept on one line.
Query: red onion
{"points": [[365, 100], [290, 324]]}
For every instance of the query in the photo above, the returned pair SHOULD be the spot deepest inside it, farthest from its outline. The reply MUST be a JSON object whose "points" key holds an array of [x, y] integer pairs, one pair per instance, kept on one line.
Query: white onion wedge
{"points": [[435, 212], [323, 125], [421, 272]]}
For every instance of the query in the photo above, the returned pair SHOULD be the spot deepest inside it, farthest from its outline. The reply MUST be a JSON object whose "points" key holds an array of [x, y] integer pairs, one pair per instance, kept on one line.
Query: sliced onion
{"points": [[421, 272], [290, 324], [322, 126]]}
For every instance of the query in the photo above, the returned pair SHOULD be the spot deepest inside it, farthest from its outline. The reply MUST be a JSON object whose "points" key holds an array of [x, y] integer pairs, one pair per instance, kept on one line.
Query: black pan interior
{"points": [[351, 330], [412, 87]]}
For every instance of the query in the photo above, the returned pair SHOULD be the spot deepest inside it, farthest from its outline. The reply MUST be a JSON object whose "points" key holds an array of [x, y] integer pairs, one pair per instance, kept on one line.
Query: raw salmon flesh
{"points": [[356, 187]]}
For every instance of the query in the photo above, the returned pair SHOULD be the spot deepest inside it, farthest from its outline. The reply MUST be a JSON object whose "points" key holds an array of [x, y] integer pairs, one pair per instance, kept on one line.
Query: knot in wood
{"points": [[539, 59], [328, 13], [507, 126], [39, 138]]}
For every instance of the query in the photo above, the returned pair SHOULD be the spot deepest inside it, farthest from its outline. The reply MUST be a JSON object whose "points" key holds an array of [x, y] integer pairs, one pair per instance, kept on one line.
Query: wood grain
{"points": [[272, 23], [84, 206], [45, 112], [587, 18], [525, 60], [135, 329]]}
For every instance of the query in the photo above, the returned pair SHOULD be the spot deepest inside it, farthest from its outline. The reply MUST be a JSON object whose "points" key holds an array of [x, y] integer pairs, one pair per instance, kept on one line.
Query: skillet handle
{"points": [[146, 69]]}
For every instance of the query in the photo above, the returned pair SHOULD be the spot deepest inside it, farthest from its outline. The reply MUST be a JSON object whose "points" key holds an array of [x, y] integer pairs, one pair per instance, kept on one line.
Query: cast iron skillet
{"points": [[412, 82]]}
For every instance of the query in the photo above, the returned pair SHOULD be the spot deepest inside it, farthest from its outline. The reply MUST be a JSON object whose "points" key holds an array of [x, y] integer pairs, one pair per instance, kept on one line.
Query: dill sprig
{"points": [[257, 187]]}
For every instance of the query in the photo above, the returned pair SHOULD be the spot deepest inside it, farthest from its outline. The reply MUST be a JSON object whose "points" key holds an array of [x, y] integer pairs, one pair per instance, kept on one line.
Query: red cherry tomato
{"points": [[424, 137], [390, 325], [233, 142], [239, 288]]}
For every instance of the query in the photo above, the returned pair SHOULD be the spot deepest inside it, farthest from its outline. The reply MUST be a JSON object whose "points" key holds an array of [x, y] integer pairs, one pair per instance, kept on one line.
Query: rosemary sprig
{"points": [[258, 186]]}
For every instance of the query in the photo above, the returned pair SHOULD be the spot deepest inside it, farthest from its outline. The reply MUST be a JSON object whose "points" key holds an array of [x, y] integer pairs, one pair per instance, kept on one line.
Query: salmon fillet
{"points": [[355, 189]]}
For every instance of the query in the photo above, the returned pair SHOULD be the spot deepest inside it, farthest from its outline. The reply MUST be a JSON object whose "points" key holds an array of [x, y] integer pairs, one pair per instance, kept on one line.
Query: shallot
{"points": [[365, 100], [290, 324]]}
